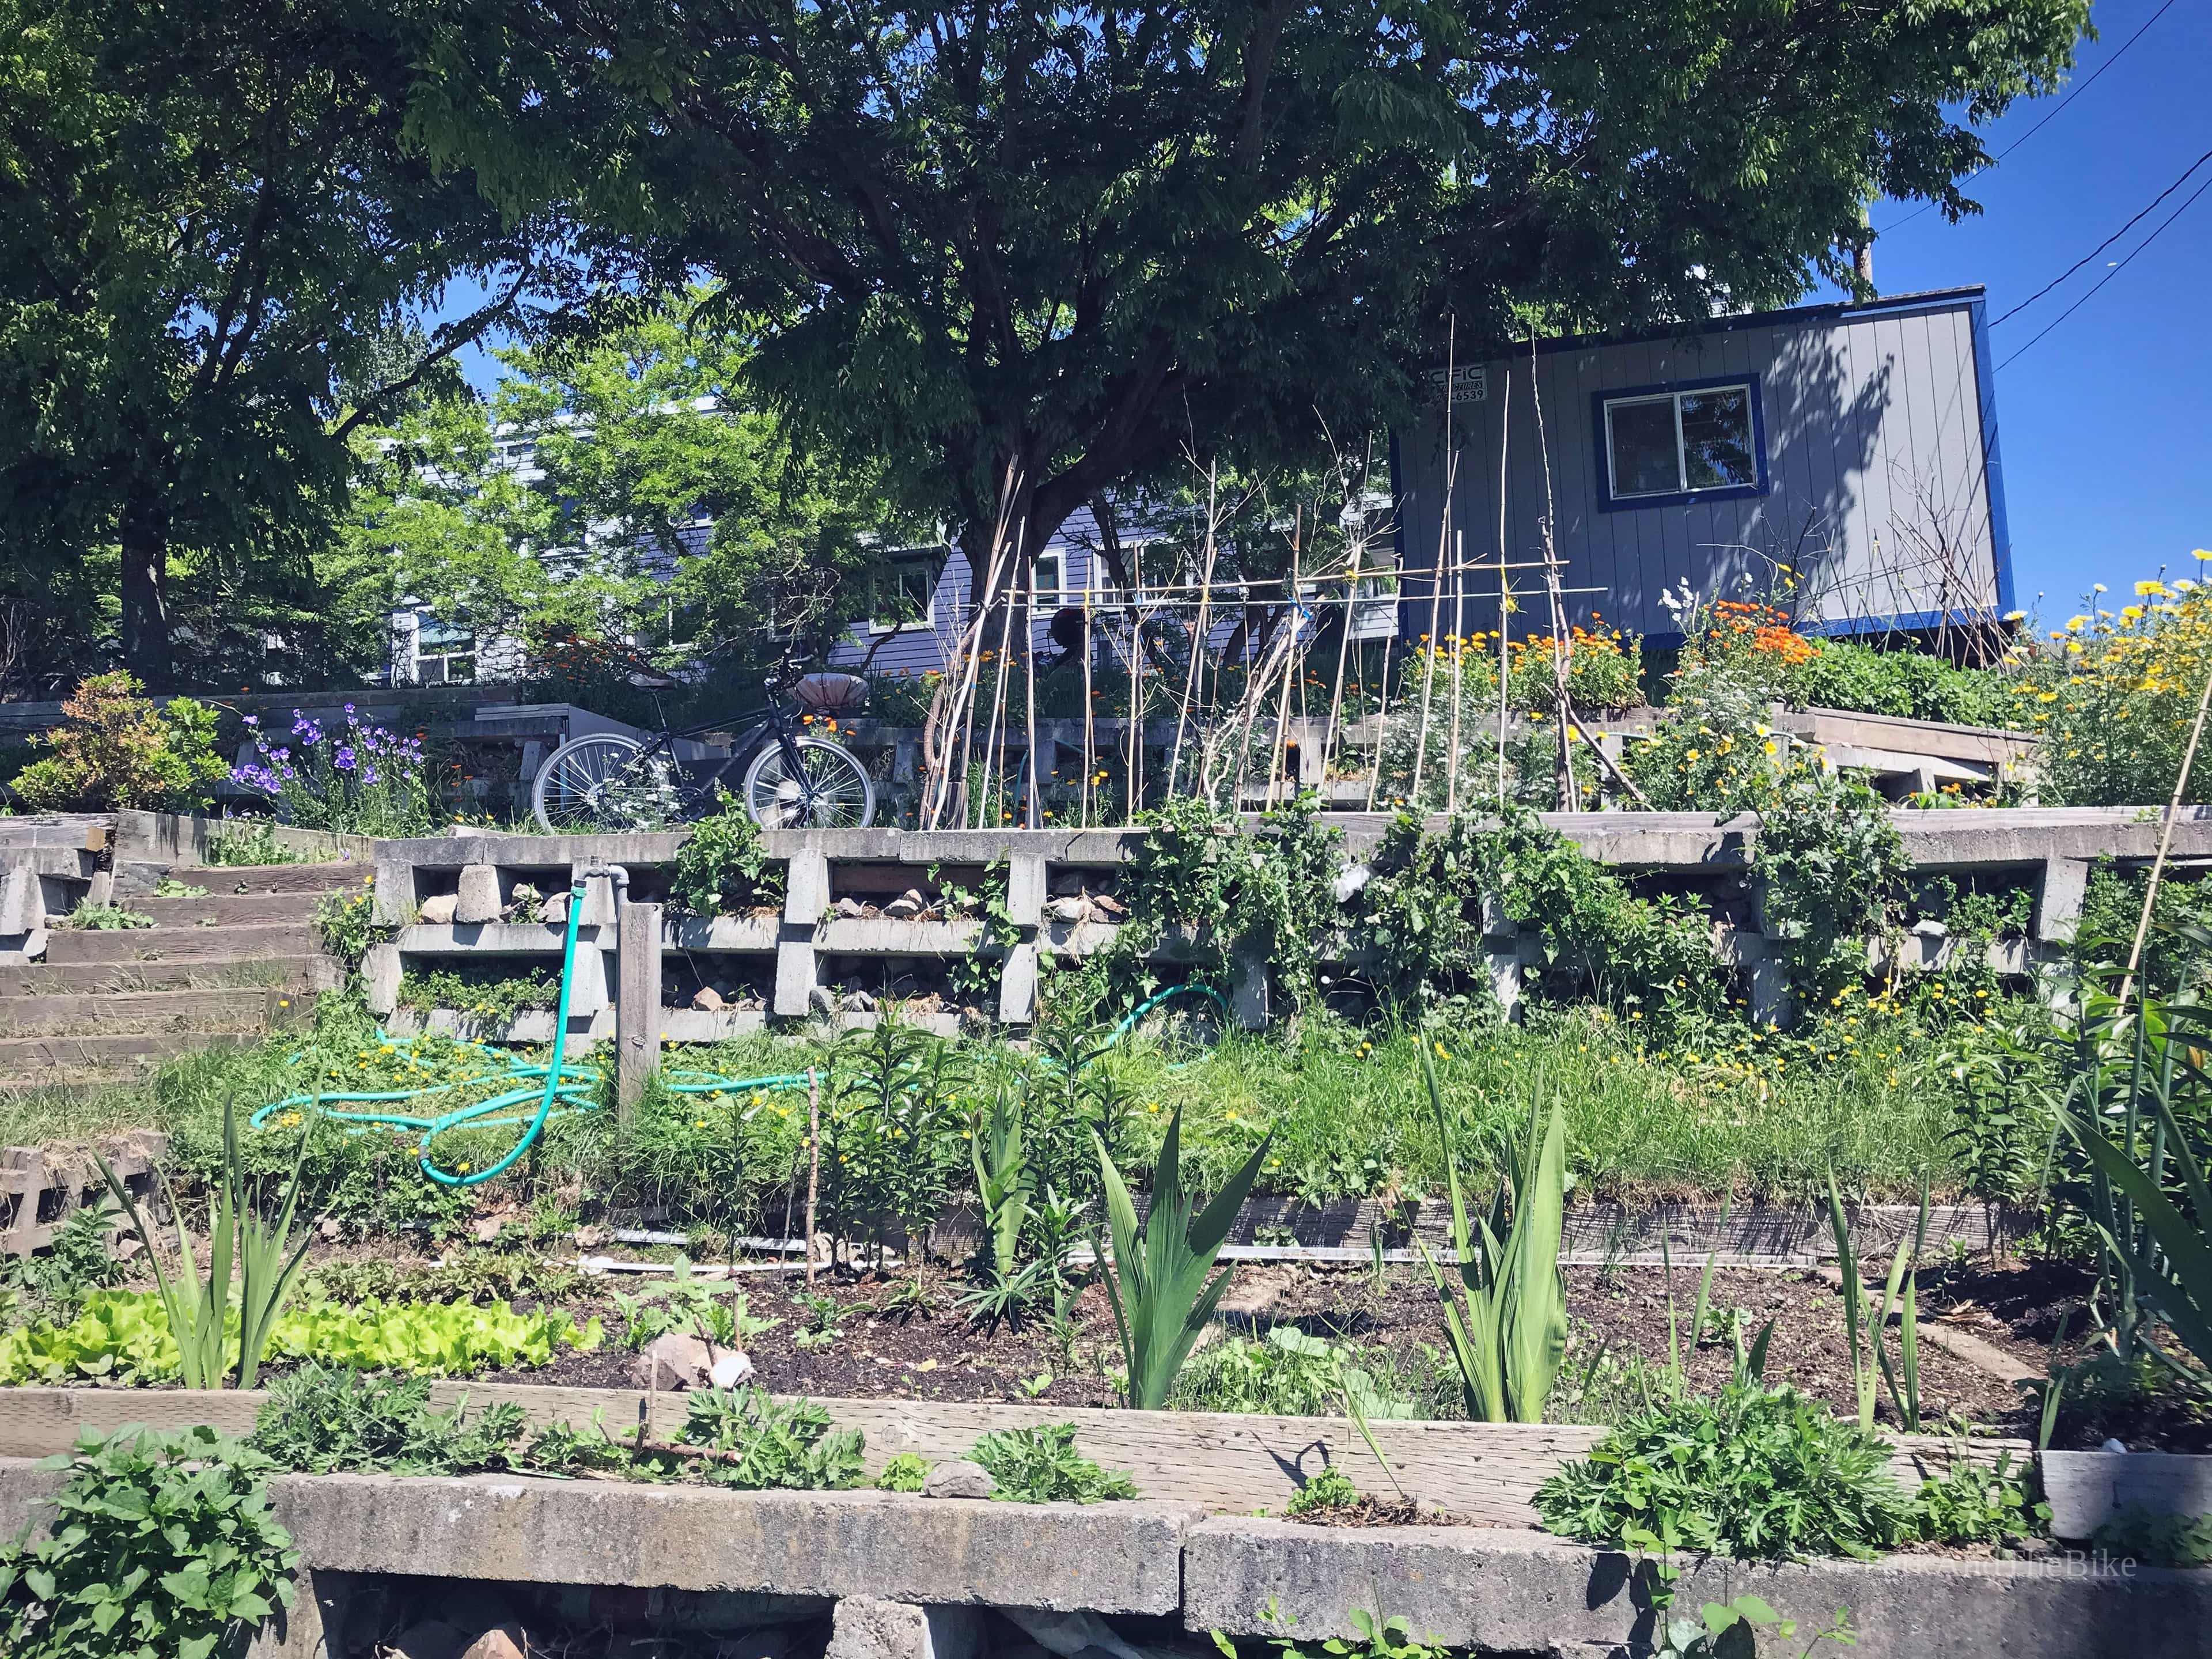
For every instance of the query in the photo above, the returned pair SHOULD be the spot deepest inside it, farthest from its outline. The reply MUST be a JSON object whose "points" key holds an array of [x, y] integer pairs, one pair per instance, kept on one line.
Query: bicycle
{"points": [[791, 778]]}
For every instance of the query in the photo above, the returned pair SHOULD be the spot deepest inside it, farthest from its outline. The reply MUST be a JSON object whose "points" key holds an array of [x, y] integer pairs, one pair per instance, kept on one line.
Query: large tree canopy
{"points": [[217, 237], [1059, 243]]}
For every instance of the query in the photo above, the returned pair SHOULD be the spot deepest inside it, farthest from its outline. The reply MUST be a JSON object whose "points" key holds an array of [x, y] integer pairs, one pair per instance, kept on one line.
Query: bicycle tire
{"points": [[837, 792], [584, 788]]}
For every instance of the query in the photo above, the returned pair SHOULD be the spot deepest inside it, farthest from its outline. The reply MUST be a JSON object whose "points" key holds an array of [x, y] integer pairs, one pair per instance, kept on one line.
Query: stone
{"points": [[708, 999], [866, 1627], [1107, 905], [590, 1237], [1069, 910], [860, 1002], [1349, 882], [957, 1479], [820, 998], [438, 912], [555, 909], [478, 900], [682, 1361], [433, 1638], [22, 905], [328, 1227], [485, 1229], [849, 907], [505, 1642], [905, 907], [730, 1368]]}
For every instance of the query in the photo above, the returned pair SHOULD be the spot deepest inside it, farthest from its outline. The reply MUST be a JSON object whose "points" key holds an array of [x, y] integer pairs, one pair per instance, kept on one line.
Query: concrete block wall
{"points": [[2052, 850]]}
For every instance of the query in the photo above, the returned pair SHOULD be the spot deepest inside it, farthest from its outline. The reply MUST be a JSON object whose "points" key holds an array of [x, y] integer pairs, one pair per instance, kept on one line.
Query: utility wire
{"points": [[2113, 272], [2048, 114], [2109, 240]]}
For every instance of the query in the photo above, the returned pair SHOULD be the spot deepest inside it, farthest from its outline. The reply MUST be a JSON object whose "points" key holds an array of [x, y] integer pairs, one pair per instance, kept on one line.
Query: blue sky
{"points": [[2105, 423]]}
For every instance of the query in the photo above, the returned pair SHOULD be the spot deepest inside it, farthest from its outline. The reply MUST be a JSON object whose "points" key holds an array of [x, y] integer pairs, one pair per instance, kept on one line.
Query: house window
{"points": [[1694, 442], [445, 654], [901, 594], [1047, 582]]}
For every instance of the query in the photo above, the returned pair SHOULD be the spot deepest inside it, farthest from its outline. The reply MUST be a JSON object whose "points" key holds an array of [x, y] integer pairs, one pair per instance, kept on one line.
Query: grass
{"points": [[1762, 1116]]}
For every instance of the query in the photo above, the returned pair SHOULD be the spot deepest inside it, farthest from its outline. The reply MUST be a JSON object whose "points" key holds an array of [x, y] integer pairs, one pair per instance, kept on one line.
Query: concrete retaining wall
{"points": [[1491, 1590]]}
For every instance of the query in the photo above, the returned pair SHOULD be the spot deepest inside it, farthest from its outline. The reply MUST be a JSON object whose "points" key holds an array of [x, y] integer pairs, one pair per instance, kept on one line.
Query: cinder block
{"points": [[806, 888], [1247, 993], [2058, 905], [22, 907], [866, 1627], [380, 969], [479, 895], [1017, 986], [395, 892], [797, 974], [1025, 884]]}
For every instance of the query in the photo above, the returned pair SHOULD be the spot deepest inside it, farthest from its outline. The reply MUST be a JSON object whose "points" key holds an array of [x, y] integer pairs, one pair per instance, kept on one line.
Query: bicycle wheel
{"points": [[831, 789], [605, 784]]}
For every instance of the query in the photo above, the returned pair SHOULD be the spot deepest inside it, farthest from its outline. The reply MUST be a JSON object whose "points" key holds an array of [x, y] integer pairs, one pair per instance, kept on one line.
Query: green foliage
{"points": [[1041, 1465], [105, 919], [1729, 1630], [475, 1275], [785, 1444], [161, 1544], [905, 1472], [1284, 911], [1906, 684], [1378, 1638], [1157, 1284], [1003, 1180], [1289, 1373], [1328, 1491], [1750, 1472], [896, 1098], [1832, 870], [1506, 1316], [347, 924], [722, 866], [54, 1286], [242, 843], [2159, 1541], [126, 1337], [486, 1003], [117, 749], [1866, 1326], [1976, 1503], [198, 1311], [691, 1307], [324, 1419]]}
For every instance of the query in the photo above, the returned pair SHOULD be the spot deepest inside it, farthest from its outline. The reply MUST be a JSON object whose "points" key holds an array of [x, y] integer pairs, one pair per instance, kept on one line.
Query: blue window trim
{"points": [[1608, 502], [1985, 383]]}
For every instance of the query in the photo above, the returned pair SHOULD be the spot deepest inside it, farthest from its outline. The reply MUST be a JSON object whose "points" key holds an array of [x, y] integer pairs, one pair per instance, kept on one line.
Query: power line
{"points": [[2048, 115], [2109, 240], [2113, 272]]}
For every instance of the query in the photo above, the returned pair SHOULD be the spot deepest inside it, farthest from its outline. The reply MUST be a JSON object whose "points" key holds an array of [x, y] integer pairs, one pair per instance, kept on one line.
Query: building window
{"points": [[1047, 582], [1695, 441], [901, 594], [445, 654]]}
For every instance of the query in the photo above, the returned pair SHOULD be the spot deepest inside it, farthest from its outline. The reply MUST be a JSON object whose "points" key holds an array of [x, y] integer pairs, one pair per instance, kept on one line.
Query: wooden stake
{"points": [[813, 1163]]}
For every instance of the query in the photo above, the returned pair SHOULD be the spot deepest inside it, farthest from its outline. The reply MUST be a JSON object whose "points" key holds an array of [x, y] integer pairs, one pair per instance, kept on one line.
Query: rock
{"points": [[730, 1368], [1107, 905], [438, 912], [905, 907], [848, 907], [1349, 881], [957, 1479], [822, 1000], [590, 1237], [860, 1002], [864, 1627], [433, 1638], [708, 999], [328, 1227], [507, 1642], [1068, 910], [683, 1361], [486, 1227], [477, 902], [556, 908]]}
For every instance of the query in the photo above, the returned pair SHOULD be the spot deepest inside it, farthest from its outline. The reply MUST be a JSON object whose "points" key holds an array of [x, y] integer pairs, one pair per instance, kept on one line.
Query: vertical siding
{"points": [[1863, 416]]}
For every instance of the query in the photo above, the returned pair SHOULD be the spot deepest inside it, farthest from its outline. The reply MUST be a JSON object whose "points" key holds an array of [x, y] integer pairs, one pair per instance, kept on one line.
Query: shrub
{"points": [[119, 750], [361, 781], [162, 1544], [1749, 1472], [323, 1419], [722, 865], [1972, 1502], [1833, 870], [1042, 1466], [2114, 699], [1908, 685]]}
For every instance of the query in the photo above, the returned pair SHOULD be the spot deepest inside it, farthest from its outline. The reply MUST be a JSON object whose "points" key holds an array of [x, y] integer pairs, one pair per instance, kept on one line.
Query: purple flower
{"points": [[369, 775], [349, 708], [252, 720], [343, 759]]}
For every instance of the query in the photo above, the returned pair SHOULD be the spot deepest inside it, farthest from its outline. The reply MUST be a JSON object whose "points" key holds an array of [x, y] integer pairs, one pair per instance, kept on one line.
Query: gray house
{"points": [[1842, 457]]}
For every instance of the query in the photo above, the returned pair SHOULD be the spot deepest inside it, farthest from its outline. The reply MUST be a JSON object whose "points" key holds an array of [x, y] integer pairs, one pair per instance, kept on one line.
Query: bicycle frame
{"points": [[697, 779]]}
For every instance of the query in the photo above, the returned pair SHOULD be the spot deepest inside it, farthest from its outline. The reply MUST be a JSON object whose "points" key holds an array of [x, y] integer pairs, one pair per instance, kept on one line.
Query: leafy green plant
{"points": [[905, 1472], [1156, 1283], [785, 1444], [161, 1545], [1749, 1472], [104, 918], [1378, 1638], [243, 844], [723, 865], [822, 1323], [268, 1262], [1866, 1325], [1328, 1491], [1976, 1503], [347, 924], [2161, 1541], [328, 1419], [117, 749], [1831, 870], [1003, 1180], [1708, 1636], [1042, 1466], [488, 1004], [55, 1284], [170, 887], [692, 1307], [1289, 1373], [1505, 1311]]}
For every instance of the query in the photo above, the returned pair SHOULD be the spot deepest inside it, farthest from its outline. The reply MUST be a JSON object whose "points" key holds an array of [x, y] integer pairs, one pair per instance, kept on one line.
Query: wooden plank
{"points": [[2087, 1489], [1486, 1471]]}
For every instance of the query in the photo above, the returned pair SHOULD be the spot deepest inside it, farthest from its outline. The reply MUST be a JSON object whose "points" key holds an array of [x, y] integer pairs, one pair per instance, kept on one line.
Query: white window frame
{"points": [[444, 658], [1682, 485], [923, 623], [1048, 596]]}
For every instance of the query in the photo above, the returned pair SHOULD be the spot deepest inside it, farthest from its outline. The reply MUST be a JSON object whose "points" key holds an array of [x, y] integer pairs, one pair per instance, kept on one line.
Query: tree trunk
{"points": [[144, 535]]}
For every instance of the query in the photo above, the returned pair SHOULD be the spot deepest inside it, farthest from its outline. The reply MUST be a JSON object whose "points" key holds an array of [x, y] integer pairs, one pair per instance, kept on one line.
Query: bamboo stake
{"points": [[968, 663], [1381, 725], [1569, 795], [1033, 815], [1344, 646], [1437, 586], [1459, 683], [813, 1163], [2164, 842], [1504, 587], [998, 710], [1190, 686], [1089, 741]]}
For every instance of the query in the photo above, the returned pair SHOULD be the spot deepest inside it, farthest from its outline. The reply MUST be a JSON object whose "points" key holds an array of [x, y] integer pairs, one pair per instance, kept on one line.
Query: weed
{"points": [[1974, 1502], [787, 1444], [170, 887], [327, 1419], [823, 1322], [160, 1544], [691, 1307], [1328, 1491], [347, 924], [239, 843], [905, 1472], [2161, 1540], [723, 866], [104, 918], [1042, 1466]]}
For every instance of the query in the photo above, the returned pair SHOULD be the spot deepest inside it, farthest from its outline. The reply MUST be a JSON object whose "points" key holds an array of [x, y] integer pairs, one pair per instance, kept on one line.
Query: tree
{"points": [[661, 504], [1027, 251], [217, 231]]}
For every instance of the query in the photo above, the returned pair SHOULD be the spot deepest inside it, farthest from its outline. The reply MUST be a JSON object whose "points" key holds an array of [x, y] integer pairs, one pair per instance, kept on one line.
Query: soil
{"points": [[1385, 1512]]}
